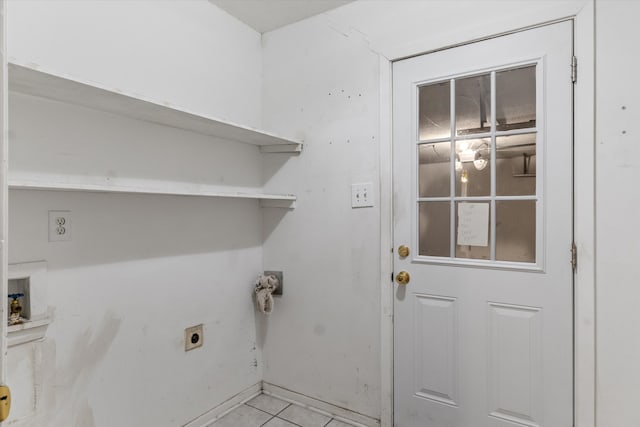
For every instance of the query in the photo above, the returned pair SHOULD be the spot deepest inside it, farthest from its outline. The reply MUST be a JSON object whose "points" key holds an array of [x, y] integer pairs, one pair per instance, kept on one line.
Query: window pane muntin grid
{"points": [[492, 198], [477, 74]]}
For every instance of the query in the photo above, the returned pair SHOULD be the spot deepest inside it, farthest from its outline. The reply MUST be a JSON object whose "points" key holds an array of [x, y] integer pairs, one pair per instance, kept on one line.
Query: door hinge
{"points": [[574, 256], [574, 69], [392, 277]]}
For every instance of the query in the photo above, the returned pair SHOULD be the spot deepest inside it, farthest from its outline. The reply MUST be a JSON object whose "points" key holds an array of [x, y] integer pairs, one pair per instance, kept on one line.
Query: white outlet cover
{"points": [[60, 226]]}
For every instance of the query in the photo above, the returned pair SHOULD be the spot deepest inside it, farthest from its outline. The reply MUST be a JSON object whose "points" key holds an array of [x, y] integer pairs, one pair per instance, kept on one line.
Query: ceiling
{"points": [[267, 15]]}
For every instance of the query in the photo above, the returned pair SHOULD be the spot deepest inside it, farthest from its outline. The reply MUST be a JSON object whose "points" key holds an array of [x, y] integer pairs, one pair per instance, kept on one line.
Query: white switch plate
{"points": [[59, 226], [362, 195]]}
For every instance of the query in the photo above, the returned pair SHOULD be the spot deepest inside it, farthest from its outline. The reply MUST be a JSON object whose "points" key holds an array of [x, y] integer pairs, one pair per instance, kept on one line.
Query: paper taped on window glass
{"points": [[473, 224]]}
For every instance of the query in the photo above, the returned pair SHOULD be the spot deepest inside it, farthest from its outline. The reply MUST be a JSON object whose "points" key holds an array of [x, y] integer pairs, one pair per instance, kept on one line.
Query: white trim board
{"points": [[4, 191], [386, 242], [341, 414], [225, 407], [584, 220]]}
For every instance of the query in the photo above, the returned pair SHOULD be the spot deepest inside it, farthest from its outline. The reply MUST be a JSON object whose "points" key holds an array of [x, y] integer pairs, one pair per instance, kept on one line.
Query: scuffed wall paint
{"points": [[75, 373], [117, 336], [24, 361]]}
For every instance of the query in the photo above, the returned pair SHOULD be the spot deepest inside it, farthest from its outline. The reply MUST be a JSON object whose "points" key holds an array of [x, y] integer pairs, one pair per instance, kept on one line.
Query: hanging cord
{"points": [[265, 286]]}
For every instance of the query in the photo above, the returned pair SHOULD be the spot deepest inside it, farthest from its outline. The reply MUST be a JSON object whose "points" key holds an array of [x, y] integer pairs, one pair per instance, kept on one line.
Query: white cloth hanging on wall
{"points": [[265, 286]]}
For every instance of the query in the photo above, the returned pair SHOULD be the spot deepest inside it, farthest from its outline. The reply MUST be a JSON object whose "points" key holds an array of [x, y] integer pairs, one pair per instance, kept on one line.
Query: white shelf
{"points": [[30, 330], [32, 81], [134, 187]]}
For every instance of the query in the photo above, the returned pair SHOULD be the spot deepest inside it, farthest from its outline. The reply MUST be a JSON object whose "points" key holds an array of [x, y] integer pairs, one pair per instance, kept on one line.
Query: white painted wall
{"points": [[617, 202], [323, 339], [187, 53], [139, 268]]}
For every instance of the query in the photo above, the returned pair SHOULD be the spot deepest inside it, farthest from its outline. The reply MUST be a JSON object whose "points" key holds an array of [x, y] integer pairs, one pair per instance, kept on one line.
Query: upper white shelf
{"points": [[32, 81]]}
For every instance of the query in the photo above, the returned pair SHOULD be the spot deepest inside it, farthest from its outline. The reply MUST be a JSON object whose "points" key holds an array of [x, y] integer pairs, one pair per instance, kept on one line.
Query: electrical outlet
{"points": [[59, 226], [362, 195], [193, 337]]}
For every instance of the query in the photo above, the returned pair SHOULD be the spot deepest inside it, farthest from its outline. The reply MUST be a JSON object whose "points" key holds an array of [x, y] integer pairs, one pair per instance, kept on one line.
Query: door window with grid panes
{"points": [[478, 172]]}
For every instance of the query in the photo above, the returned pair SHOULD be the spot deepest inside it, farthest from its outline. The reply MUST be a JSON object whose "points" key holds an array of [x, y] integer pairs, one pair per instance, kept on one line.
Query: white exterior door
{"points": [[483, 200]]}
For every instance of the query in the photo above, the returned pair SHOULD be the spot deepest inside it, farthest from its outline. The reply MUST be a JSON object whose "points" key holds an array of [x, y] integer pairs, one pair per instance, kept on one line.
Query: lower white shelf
{"points": [[30, 330], [192, 190]]}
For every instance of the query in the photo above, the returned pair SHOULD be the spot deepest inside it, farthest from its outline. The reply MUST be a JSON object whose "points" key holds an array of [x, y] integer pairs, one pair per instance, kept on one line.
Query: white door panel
{"points": [[483, 199]]}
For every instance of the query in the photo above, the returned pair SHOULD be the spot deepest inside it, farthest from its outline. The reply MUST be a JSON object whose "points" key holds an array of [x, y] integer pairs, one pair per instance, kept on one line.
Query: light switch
{"points": [[362, 195]]}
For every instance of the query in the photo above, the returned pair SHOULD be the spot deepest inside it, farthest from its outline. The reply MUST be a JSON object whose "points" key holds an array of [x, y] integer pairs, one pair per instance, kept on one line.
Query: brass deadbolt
{"points": [[403, 278], [403, 251]]}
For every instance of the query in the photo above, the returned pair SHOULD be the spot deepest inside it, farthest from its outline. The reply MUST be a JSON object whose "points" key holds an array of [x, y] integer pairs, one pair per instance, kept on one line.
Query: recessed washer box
{"points": [[30, 279]]}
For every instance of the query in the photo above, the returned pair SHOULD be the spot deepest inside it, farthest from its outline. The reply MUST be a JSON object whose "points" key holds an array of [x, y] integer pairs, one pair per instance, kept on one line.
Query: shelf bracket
{"points": [[272, 203], [281, 148]]}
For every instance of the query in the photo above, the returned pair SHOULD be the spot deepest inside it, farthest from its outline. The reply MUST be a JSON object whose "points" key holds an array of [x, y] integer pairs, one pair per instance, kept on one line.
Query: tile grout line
{"points": [[276, 415], [272, 417], [312, 408], [282, 410], [290, 422], [295, 424], [262, 410]]}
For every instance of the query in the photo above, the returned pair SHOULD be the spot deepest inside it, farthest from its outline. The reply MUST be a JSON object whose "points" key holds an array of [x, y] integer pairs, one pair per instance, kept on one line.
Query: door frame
{"points": [[583, 210]]}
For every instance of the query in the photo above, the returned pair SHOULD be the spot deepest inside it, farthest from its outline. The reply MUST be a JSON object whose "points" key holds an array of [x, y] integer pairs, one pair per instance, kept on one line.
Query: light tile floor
{"points": [[268, 411]]}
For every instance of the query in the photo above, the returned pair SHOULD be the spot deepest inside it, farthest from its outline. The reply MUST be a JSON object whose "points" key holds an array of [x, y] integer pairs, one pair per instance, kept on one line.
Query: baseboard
{"points": [[226, 406], [325, 408]]}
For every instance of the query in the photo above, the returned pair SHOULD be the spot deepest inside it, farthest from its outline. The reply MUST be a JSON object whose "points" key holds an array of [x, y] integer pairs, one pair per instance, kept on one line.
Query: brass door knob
{"points": [[5, 402], [403, 278], [403, 251]]}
